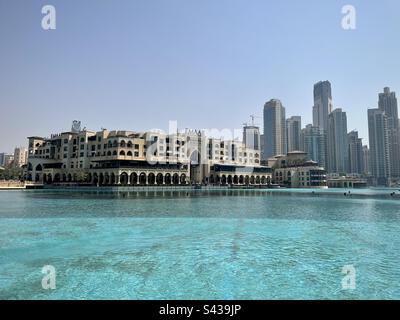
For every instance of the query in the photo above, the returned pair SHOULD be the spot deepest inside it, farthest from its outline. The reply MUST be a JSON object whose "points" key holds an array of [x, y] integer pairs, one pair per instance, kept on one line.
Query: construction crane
{"points": [[252, 117]]}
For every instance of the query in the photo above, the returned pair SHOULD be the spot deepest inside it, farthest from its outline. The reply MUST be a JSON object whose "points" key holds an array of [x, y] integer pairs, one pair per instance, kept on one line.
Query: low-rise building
{"points": [[353, 181], [141, 158], [295, 171]]}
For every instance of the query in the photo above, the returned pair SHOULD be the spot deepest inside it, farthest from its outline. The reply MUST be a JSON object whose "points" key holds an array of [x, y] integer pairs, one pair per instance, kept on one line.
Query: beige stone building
{"points": [[20, 156], [142, 158], [295, 171]]}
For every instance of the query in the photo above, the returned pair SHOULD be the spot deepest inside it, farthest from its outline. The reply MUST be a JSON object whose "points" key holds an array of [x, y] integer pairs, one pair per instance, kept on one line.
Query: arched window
{"points": [[134, 178], [114, 153], [124, 178], [175, 179], [122, 144], [142, 179], [160, 179], [183, 178], [130, 145], [168, 179], [122, 153], [129, 153], [151, 179]]}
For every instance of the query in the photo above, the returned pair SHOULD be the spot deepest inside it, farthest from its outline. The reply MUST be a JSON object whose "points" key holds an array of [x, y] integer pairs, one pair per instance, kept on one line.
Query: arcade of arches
{"points": [[127, 178]]}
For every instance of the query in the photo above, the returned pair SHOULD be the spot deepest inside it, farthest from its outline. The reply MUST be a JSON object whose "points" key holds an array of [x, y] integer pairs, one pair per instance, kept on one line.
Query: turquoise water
{"points": [[280, 244]]}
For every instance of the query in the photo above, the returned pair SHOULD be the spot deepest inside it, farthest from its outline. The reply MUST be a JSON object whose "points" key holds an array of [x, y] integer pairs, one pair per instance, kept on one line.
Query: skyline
{"points": [[214, 73]]}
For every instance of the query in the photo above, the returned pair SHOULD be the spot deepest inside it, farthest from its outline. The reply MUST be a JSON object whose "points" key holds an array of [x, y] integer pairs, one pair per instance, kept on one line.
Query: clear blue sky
{"points": [[205, 63]]}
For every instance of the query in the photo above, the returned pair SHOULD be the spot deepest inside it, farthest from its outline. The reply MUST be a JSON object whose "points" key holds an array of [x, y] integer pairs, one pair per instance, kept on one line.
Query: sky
{"points": [[136, 65]]}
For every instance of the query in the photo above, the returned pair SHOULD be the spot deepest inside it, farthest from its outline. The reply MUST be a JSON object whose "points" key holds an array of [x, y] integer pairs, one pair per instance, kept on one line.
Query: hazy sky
{"points": [[205, 63]]}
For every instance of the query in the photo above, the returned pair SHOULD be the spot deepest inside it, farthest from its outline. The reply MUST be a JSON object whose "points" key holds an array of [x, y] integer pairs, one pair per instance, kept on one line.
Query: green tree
{"points": [[11, 173]]}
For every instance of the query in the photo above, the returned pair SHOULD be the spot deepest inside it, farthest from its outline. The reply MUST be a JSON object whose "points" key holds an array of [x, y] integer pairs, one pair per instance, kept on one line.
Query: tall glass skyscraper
{"points": [[293, 131], [356, 155], [379, 146], [274, 129], [337, 142], [388, 104], [313, 142], [251, 137], [322, 104]]}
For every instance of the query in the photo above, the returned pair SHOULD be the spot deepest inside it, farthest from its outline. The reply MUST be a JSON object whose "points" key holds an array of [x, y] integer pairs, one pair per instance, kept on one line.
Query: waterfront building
{"points": [[337, 142], [388, 104], [295, 171], [313, 142], [274, 129], [20, 156], [293, 132], [140, 158], [348, 181], [322, 104], [356, 156], [379, 146]]}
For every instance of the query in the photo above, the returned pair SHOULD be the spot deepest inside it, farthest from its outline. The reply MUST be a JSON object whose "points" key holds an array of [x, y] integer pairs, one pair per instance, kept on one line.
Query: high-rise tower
{"points": [[274, 129]]}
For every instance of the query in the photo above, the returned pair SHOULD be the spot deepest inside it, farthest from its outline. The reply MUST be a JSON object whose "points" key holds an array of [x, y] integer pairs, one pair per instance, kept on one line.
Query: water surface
{"points": [[219, 244]]}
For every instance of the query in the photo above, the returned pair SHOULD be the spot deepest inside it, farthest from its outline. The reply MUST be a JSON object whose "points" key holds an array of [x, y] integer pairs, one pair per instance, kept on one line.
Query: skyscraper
{"points": [[293, 131], [322, 104], [379, 146], [337, 142], [356, 158], [274, 129], [251, 137], [367, 163], [388, 104], [313, 142]]}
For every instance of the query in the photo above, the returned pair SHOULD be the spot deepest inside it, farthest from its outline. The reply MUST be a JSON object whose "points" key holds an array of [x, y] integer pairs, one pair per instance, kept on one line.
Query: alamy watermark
{"points": [[349, 20], [49, 280], [49, 18], [349, 280]]}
